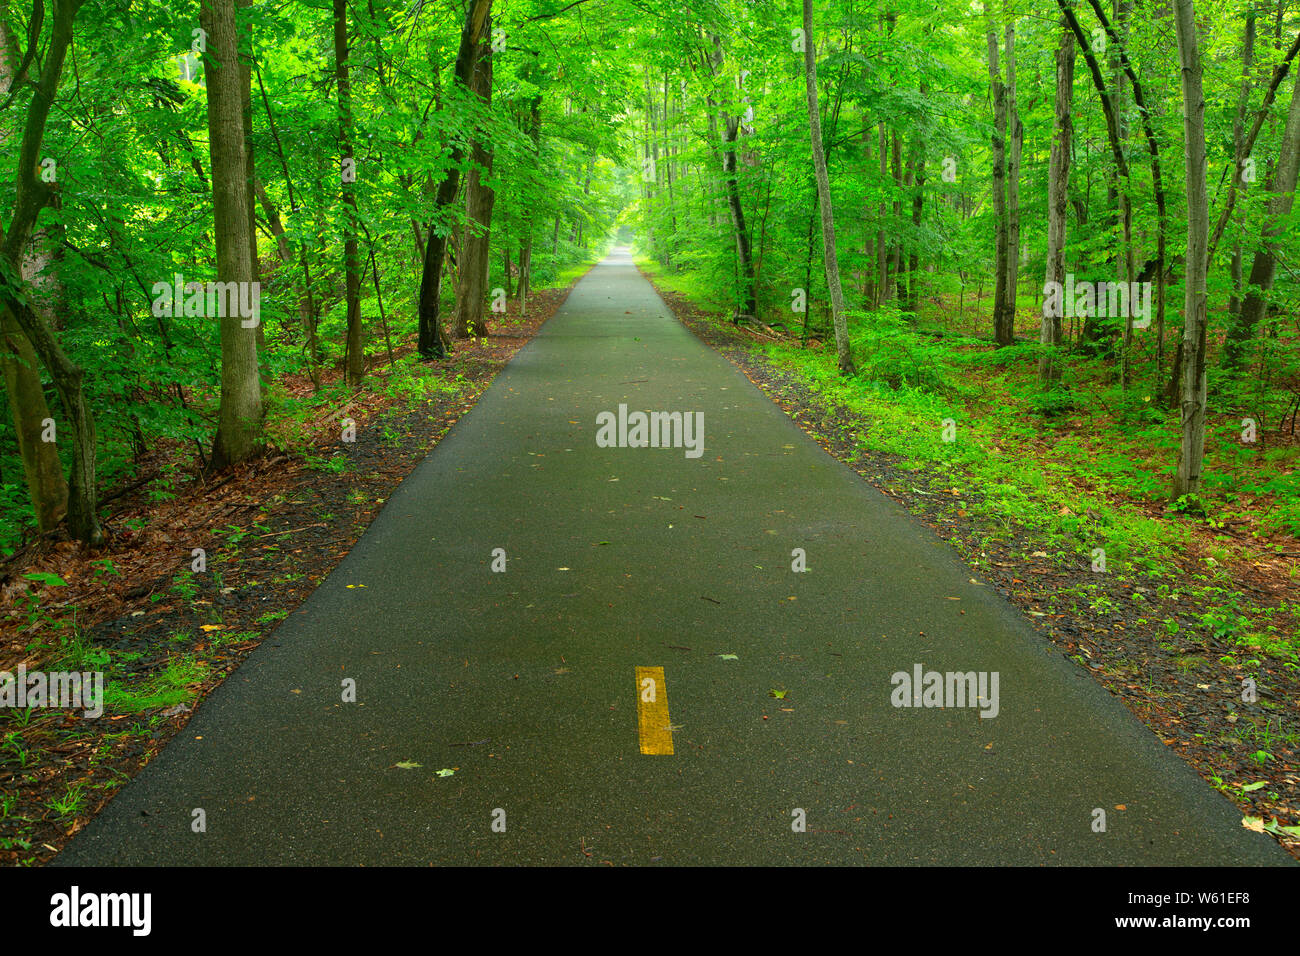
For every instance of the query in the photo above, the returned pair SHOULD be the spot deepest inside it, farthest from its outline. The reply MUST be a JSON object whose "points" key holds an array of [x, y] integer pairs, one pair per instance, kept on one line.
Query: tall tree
{"points": [[1016, 133], [917, 164], [239, 424], [744, 251], [31, 197], [534, 128], [47, 489], [842, 349], [1058, 207], [433, 341], [882, 217], [472, 282], [356, 360], [250, 169], [1195, 306], [1003, 312]]}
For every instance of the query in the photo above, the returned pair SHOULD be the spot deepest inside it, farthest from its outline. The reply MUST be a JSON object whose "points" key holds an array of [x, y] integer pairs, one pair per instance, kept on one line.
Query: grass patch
{"points": [[176, 684]]}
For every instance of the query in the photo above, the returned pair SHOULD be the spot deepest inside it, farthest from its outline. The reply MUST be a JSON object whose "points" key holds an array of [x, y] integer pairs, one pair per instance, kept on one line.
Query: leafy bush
{"points": [[889, 352]]}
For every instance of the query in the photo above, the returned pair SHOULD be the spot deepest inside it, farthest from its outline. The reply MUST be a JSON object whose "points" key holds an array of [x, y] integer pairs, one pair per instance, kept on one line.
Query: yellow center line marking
{"points": [[653, 726]]}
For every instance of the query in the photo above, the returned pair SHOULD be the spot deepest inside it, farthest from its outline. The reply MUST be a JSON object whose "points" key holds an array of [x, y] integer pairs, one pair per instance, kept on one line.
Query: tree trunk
{"points": [[432, 340], [580, 221], [31, 195], [1016, 131], [239, 425], [659, 248], [46, 487], [668, 161], [526, 250], [842, 348], [250, 174], [356, 359], [744, 254], [1002, 333], [1279, 74], [1195, 317], [1122, 8], [882, 213], [895, 244], [918, 206], [1058, 207], [471, 285]]}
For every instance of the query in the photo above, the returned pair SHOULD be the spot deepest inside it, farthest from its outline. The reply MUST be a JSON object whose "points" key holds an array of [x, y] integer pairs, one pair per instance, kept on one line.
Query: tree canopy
{"points": [[386, 173]]}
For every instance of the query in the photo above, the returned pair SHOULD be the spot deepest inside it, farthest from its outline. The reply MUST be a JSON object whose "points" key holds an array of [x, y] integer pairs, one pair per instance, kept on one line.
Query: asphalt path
{"points": [[500, 717]]}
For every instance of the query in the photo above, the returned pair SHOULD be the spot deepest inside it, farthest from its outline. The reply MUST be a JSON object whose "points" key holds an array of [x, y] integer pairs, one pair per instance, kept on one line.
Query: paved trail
{"points": [[525, 682]]}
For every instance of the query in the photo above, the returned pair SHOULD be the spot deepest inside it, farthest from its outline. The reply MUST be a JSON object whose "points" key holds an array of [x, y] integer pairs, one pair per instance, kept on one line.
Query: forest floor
{"points": [[1175, 634], [164, 636]]}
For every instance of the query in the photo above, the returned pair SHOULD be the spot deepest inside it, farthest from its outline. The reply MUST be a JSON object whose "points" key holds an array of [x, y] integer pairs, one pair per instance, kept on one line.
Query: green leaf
{"points": [[47, 577]]}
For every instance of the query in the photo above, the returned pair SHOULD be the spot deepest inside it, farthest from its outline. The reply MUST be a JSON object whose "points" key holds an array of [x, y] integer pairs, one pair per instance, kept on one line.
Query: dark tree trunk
{"points": [[356, 360], [31, 196], [744, 253], [471, 285], [46, 486], [432, 341], [1016, 132], [526, 250], [1058, 187], [1002, 332]]}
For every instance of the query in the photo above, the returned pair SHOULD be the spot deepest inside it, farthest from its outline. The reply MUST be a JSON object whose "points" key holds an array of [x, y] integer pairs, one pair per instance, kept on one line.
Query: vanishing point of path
{"points": [[525, 683]]}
